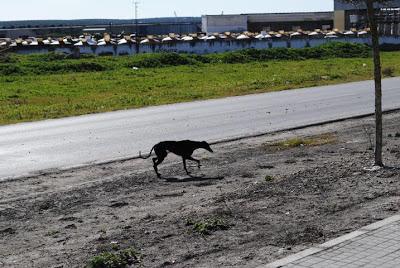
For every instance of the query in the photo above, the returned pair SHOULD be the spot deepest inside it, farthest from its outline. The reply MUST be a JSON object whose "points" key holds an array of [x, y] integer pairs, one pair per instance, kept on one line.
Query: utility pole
{"points": [[136, 6]]}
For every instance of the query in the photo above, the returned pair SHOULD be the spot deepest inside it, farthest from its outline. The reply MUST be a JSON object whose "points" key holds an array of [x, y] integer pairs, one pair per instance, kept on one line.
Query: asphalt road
{"points": [[31, 147]]}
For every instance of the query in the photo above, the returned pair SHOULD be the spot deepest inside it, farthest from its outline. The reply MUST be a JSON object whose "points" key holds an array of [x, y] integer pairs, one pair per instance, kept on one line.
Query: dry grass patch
{"points": [[327, 138]]}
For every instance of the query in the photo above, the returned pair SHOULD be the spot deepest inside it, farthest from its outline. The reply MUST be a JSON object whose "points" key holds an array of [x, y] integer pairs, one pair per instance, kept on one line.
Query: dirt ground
{"points": [[269, 200]]}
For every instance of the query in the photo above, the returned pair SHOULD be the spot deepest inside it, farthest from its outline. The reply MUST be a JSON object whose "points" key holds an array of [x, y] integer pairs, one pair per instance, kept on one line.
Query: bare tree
{"points": [[373, 25]]}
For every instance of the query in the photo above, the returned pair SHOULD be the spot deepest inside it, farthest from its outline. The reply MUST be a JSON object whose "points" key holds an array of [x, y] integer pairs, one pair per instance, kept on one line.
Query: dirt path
{"points": [[266, 200]]}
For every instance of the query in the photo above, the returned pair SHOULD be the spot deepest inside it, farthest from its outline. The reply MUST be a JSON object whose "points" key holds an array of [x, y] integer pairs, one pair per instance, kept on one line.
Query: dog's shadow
{"points": [[192, 179], [392, 168]]}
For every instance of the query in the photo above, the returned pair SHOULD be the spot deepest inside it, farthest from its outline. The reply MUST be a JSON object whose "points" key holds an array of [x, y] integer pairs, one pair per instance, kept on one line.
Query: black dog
{"points": [[182, 148]]}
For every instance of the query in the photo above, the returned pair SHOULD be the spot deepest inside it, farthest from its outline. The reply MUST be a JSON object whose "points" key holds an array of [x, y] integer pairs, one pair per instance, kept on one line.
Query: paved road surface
{"points": [[31, 147]]}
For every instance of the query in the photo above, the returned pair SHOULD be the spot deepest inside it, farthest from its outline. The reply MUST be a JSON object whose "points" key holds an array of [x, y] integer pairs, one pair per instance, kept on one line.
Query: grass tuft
{"points": [[120, 259], [206, 227], [299, 142]]}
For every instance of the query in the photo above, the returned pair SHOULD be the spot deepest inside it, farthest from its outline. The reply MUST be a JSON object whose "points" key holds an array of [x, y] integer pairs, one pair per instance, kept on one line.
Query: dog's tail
{"points": [[146, 157]]}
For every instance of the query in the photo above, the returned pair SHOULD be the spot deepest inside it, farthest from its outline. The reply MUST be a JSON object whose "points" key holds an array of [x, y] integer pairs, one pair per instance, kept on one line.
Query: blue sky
{"points": [[81, 9]]}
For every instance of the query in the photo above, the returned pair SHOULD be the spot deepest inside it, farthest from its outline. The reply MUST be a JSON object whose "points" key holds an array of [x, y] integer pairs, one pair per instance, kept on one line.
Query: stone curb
{"points": [[331, 243]]}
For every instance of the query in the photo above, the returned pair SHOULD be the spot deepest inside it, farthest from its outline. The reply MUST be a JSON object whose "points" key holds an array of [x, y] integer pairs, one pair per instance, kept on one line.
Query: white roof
{"points": [[102, 43], [295, 34], [262, 36], [91, 42], [331, 33], [80, 43], [167, 39], [122, 41], [242, 36], [187, 38]]}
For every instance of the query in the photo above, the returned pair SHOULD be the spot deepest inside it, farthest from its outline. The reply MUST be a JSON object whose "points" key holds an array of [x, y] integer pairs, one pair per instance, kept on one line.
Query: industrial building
{"points": [[308, 21], [347, 16], [143, 29]]}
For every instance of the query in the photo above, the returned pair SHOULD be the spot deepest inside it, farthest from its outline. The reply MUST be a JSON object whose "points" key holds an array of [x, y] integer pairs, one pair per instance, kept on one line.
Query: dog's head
{"points": [[207, 146]]}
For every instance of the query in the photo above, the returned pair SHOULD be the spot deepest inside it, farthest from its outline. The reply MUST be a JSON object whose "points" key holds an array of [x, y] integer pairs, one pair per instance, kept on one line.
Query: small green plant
{"points": [[116, 260], [206, 227], [268, 178], [52, 233], [388, 72]]}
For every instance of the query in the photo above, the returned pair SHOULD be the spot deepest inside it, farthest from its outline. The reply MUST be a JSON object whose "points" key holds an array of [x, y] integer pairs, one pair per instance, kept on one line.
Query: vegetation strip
{"points": [[48, 86]]}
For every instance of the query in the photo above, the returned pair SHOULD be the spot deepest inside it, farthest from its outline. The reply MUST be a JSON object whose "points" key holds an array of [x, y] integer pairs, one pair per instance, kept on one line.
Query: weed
{"points": [[388, 72], [120, 259], [52, 233], [269, 178], [206, 227]]}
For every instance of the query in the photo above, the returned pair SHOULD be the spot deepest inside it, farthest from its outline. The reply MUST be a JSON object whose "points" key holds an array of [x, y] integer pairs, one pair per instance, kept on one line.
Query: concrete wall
{"points": [[224, 23], [199, 47]]}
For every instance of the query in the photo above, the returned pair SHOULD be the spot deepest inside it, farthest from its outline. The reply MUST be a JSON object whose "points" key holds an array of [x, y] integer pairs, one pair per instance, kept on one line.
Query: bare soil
{"points": [[270, 200]]}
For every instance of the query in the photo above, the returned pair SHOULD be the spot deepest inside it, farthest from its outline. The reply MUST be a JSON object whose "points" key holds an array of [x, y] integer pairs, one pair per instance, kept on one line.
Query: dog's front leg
{"points": [[195, 160], [184, 166]]}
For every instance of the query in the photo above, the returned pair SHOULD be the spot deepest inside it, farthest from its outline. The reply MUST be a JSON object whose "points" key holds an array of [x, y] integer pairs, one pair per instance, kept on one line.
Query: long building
{"points": [[143, 29], [267, 22]]}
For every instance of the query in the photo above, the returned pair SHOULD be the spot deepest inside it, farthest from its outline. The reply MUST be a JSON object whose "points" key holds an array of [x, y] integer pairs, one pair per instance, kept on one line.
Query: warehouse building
{"points": [[143, 29], [267, 22], [347, 16]]}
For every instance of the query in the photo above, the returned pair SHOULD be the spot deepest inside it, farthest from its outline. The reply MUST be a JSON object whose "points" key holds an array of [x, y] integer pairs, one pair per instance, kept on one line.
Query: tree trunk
{"points": [[378, 81]]}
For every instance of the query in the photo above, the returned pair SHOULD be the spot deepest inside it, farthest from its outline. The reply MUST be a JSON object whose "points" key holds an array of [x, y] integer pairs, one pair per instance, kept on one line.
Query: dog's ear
{"points": [[207, 146]]}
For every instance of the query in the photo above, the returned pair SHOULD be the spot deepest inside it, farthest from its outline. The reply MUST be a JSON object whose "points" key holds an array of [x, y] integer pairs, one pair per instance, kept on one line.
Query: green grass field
{"points": [[33, 88]]}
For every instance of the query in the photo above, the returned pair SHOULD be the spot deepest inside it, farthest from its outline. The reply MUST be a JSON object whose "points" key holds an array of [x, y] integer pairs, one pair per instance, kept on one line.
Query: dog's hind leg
{"points": [[195, 160], [156, 162]]}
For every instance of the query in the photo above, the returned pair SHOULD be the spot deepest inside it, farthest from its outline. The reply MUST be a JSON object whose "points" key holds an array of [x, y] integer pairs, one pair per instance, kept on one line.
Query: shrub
{"points": [[51, 56], [6, 58], [162, 60], [65, 67], [10, 70]]}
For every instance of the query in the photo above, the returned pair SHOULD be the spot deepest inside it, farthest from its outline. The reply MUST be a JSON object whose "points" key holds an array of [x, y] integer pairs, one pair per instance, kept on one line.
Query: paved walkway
{"points": [[376, 245]]}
